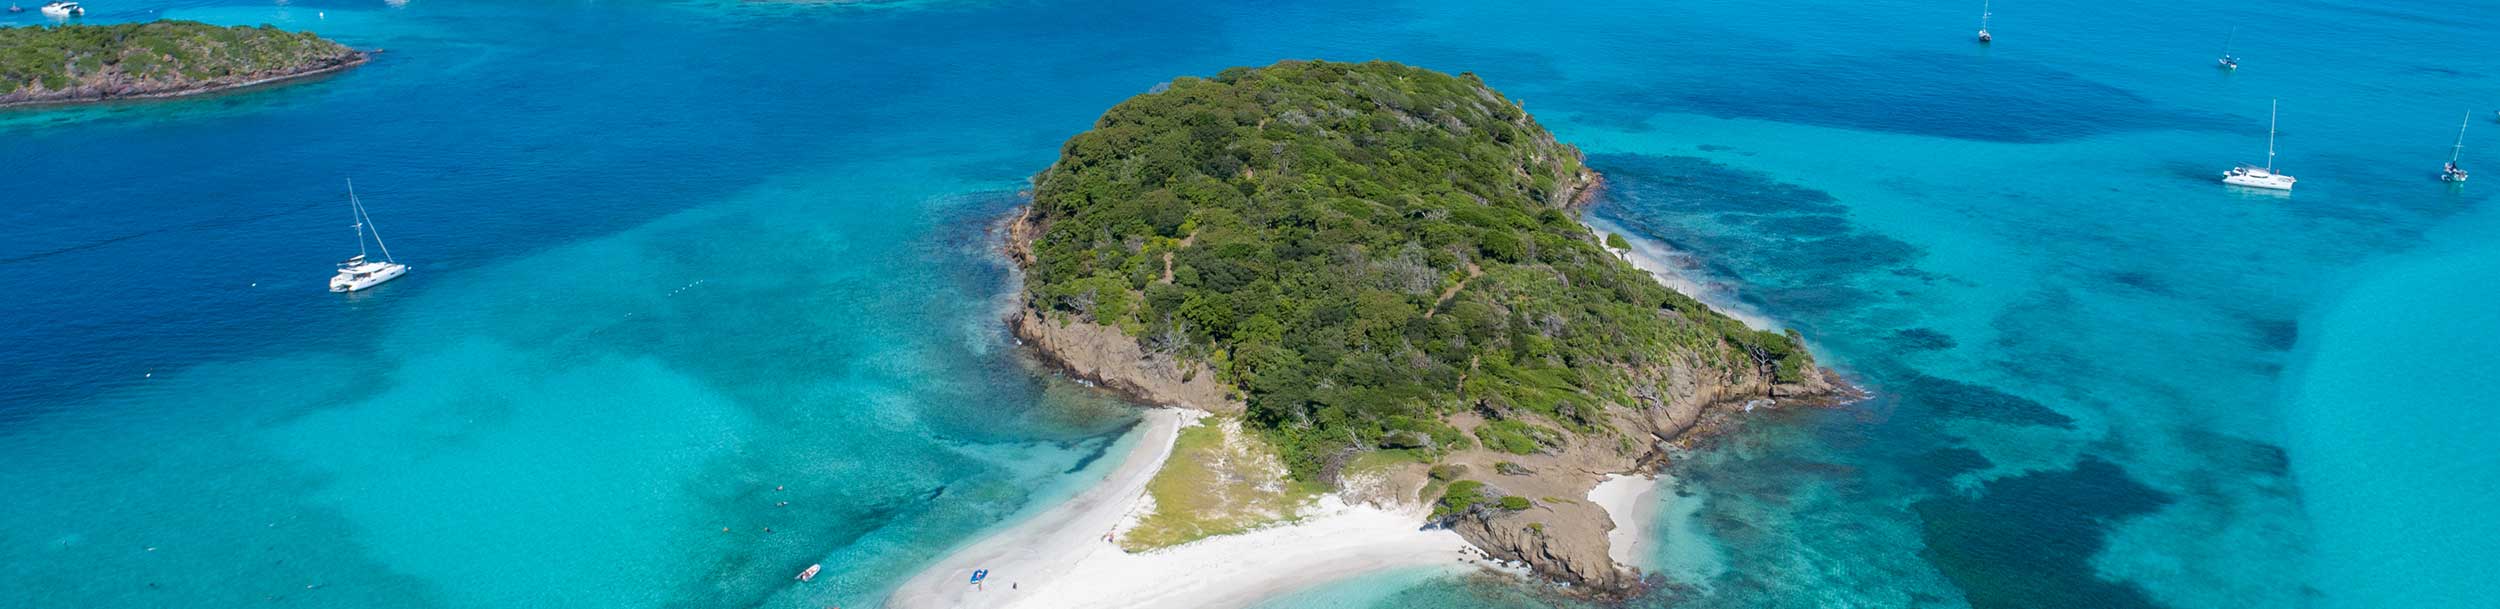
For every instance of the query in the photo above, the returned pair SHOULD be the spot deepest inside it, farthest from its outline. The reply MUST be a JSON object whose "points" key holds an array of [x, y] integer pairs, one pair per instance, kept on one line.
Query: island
{"points": [[1389, 337], [74, 64]]}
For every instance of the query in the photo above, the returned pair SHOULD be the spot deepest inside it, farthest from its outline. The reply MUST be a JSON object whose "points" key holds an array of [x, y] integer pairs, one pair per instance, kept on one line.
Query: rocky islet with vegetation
{"points": [[1380, 271], [69, 64]]}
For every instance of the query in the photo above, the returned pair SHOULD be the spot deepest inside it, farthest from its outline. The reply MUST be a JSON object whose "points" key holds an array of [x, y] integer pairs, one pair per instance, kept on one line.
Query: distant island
{"points": [[71, 64], [1375, 278]]}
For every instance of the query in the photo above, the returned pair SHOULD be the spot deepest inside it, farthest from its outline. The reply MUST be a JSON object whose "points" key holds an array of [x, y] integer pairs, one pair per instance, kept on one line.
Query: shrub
{"points": [[1460, 497]]}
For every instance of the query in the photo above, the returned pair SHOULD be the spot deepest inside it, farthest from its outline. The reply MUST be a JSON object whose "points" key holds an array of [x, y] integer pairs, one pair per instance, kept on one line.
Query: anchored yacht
{"points": [[1983, 22], [64, 10], [359, 273], [2261, 177]]}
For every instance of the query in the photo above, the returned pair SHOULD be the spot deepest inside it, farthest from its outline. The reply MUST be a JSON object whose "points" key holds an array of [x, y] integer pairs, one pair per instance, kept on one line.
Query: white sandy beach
{"points": [[1632, 503], [1059, 558]]}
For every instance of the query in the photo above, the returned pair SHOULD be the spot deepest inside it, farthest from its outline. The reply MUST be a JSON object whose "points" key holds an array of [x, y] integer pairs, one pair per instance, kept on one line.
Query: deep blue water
{"points": [[671, 255]]}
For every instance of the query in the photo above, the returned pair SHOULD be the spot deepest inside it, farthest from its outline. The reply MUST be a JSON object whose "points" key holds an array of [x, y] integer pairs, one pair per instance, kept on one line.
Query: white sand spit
{"points": [[1059, 558]]}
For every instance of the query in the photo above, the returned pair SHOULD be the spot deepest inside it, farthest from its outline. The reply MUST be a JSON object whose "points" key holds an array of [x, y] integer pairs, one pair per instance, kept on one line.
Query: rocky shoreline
{"points": [[1567, 540]]}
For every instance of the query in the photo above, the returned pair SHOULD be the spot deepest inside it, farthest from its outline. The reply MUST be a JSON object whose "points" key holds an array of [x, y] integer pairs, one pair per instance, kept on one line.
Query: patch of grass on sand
{"points": [[1377, 460], [1219, 481]]}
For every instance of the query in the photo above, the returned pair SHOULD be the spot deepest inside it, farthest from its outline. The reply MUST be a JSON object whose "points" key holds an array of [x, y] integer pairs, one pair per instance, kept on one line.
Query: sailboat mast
{"points": [[1983, 15], [2459, 150], [2272, 112], [377, 232], [357, 210]]}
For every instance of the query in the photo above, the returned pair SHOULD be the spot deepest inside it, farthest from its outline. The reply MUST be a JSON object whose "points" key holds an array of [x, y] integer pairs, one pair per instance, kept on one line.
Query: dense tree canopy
{"points": [[1364, 250]]}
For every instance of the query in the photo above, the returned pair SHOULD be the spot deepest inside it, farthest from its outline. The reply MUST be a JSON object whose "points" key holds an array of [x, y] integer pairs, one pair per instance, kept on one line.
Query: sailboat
{"points": [[2254, 177], [1983, 22], [2452, 172], [2228, 62], [359, 273]]}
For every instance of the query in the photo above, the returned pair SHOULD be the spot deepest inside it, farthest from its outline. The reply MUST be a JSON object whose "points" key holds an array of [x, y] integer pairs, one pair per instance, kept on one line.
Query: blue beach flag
{"points": [[980, 574]]}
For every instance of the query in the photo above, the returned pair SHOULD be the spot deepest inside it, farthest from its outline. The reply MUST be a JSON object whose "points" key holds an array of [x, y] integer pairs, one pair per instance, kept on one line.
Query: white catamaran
{"points": [[2265, 177], [2452, 172], [358, 273]]}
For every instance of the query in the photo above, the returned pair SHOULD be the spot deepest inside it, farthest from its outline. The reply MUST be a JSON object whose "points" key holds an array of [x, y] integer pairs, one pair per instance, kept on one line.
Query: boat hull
{"points": [[345, 284], [2266, 182], [2252, 177]]}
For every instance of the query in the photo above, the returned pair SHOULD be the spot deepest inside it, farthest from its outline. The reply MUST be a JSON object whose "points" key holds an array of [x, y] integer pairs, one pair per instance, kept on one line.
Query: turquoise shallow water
{"points": [[671, 255], [2391, 416]]}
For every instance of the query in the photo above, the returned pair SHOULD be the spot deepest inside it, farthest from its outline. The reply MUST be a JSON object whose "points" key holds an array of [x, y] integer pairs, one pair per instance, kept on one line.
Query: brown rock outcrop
{"points": [[1106, 357], [1563, 535]]}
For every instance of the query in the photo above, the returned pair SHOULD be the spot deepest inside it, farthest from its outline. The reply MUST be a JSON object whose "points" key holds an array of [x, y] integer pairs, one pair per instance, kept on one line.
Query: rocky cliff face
{"points": [[1110, 359]]}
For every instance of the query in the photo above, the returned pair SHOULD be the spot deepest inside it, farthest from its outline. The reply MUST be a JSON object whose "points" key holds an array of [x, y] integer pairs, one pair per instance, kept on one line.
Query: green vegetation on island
{"points": [[84, 63], [1365, 251]]}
